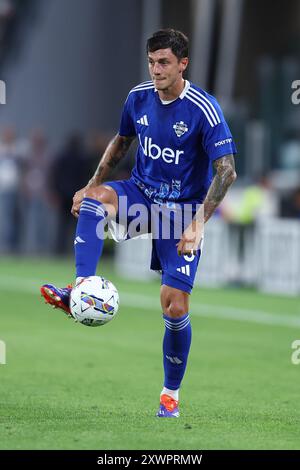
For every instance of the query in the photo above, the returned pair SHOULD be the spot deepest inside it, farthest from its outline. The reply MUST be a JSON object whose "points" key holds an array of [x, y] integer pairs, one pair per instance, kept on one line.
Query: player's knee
{"points": [[104, 195], [100, 194], [176, 309], [175, 303]]}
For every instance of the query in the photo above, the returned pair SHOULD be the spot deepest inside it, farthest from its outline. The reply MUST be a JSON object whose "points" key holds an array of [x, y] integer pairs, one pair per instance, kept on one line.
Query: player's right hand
{"points": [[191, 239], [77, 200]]}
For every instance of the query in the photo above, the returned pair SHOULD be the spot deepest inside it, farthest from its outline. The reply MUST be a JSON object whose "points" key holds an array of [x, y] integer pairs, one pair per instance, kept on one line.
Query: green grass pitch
{"points": [[67, 386]]}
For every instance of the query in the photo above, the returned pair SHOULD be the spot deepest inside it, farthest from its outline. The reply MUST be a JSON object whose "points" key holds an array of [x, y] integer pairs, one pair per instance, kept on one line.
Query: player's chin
{"points": [[160, 84]]}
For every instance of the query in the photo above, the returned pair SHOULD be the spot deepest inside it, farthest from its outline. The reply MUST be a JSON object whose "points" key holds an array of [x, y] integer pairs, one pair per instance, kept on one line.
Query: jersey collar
{"points": [[181, 96], [184, 91]]}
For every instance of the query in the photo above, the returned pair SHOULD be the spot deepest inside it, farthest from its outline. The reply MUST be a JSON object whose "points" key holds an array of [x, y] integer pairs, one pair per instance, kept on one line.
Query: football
{"points": [[94, 301]]}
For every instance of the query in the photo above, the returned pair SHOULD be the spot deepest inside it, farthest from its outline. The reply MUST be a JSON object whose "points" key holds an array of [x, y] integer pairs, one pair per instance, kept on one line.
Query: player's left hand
{"points": [[191, 239]]}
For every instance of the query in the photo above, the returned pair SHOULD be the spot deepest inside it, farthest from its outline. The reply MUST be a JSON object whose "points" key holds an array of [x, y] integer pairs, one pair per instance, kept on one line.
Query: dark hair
{"points": [[169, 38]]}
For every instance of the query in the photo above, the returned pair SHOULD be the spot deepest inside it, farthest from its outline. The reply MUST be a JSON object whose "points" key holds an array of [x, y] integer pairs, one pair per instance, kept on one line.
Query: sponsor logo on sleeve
{"points": [[223, 142]]}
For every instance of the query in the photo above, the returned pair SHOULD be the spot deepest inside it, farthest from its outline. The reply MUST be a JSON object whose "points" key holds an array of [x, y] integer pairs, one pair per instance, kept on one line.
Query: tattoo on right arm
{"points": [[115, 151]]}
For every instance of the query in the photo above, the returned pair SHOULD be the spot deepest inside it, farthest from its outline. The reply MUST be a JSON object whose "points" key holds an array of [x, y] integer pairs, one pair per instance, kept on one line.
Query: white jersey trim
{"points": [[204, 103], [209, 103], [143, 86], [148, 82], [185, 90], [197, 103]]}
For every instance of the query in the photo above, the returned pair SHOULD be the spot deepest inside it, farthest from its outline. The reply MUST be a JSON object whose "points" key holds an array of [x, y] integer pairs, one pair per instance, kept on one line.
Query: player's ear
{"points": [[183, 64]]}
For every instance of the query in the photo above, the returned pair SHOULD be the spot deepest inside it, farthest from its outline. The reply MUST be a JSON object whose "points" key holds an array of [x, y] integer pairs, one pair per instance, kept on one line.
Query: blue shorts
{"points": [[177, 271]]}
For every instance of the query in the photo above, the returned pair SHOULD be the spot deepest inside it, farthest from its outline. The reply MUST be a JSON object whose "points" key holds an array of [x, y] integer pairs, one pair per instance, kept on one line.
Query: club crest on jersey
{"points": [[180, 128]]}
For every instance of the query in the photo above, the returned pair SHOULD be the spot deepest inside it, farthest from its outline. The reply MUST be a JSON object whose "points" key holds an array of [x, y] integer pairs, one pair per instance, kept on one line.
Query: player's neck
{"points": [[173, 92]]}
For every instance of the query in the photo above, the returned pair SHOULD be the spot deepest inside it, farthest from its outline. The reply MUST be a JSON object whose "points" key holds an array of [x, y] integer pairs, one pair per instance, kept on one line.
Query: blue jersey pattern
{"points": [[177, 142]]}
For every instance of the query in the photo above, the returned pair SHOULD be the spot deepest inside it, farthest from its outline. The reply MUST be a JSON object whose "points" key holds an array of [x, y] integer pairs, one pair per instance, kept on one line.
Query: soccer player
{"points": [[182, 136]]}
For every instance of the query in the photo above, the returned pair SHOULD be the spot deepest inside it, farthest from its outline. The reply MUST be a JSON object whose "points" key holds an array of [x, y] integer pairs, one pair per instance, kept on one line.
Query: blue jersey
{"points": [[177, 141]]}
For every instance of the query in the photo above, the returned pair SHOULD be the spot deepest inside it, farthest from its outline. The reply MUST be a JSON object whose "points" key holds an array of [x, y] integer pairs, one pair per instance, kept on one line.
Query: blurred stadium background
{"points": [[68, 66]]}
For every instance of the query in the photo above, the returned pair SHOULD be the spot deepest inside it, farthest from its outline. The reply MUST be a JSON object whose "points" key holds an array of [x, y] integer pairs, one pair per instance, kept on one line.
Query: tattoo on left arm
{"points": [[223, 179]]}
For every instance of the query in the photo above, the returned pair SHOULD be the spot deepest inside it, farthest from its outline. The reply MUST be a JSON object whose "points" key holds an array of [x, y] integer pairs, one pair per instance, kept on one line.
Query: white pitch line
{"points": [[142, 302], [217, 311]]}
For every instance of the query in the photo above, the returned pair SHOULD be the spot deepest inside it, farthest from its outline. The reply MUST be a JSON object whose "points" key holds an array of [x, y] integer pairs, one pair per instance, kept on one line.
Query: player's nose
{"points": [[156, 69]]}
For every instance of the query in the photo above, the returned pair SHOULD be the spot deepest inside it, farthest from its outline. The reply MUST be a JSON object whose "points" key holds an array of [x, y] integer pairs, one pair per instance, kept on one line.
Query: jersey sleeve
{"points": [[127, 127], [217, 139]]}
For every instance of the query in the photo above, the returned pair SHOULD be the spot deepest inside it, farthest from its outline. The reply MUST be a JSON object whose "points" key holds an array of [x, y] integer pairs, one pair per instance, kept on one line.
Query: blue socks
{"points": [[176, 346], [89, 237]]}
